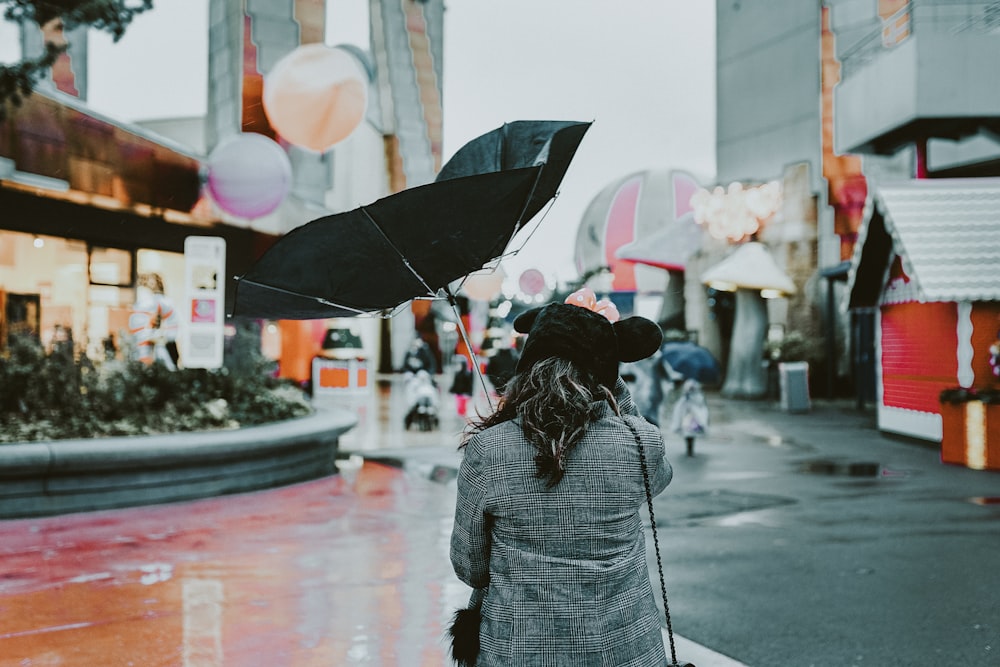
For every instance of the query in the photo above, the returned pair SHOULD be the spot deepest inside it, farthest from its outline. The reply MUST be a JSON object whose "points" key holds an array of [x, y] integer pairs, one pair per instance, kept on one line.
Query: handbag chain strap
{"points": [[656, 541]]}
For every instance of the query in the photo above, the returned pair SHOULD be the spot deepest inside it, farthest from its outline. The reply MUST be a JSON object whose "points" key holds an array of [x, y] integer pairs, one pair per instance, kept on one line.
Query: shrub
{"points": [[53, 396], [796, 346]]}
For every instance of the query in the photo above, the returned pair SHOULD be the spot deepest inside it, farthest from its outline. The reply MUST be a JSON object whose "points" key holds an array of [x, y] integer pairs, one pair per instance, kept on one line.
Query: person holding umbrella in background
{"points": [[690, 414]]}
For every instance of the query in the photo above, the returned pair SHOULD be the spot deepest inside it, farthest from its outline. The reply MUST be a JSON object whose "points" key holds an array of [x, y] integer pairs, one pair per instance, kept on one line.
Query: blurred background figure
{"points": [[420, 357], [690, 415], [422, 399], [657, 386], [501, 363], [461, 385], [110, 347], [427, 329], [62, 341], [153, 323]]}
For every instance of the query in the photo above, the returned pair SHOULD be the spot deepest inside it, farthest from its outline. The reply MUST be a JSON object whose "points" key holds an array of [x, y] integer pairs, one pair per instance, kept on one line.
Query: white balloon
{"points": [[316, 96]]}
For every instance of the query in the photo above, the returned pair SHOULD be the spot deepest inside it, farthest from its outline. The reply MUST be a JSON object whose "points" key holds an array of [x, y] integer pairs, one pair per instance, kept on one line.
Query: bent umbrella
{"points": [[522, 143], [377, 257]]}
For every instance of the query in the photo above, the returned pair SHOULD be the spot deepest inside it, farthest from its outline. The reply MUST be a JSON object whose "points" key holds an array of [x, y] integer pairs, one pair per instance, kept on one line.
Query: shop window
{"points": [[110, 266]]}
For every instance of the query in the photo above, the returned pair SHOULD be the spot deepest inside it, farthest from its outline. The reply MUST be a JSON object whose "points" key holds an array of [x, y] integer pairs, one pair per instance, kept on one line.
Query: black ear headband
{"points": [[637, 336], [586, 338]]}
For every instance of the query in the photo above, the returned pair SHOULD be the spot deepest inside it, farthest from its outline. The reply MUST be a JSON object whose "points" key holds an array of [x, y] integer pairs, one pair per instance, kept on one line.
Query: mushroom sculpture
{"points": [[752, 273], [668, 249]]}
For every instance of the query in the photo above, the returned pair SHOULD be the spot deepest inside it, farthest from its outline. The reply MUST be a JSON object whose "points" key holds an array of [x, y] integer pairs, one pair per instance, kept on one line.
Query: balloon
{"points": [[483, 286], [249, 175], [316, 96], [531, 282]]}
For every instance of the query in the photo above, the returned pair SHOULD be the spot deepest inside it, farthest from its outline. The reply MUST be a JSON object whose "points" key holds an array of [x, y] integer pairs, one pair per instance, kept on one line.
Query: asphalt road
{"points": [[812, 541], [789, 540]]}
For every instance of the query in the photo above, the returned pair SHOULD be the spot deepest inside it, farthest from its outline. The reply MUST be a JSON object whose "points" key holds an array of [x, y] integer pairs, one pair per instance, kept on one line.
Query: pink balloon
{"points": [[531, 282], [249, 175], [316, 96]]}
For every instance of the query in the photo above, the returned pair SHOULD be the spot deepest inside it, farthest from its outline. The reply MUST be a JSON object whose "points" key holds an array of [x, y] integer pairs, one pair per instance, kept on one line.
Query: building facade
{"points": [[849, 94], [89, 203]]}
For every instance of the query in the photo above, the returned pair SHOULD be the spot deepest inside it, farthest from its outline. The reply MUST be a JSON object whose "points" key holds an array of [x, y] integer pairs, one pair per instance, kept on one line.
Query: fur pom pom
{"points": [[464, 633]]}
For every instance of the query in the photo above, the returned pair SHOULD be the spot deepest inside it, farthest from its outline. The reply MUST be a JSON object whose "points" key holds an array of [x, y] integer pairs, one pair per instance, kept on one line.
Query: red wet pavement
{"points": [[331, 572]]}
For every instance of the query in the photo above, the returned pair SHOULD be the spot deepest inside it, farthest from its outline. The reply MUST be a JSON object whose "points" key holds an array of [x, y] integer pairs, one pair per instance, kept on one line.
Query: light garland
{"points": [[736, 213]]}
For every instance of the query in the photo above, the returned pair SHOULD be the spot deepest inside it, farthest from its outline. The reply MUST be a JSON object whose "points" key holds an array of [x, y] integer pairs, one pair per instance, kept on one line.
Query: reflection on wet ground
{"points": [[690, 509], [340, 571], [381, 410], [849, 468]]}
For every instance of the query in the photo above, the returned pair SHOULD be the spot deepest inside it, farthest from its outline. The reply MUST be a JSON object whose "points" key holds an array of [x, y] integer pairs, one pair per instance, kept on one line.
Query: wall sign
{"points": [[205, 295]]}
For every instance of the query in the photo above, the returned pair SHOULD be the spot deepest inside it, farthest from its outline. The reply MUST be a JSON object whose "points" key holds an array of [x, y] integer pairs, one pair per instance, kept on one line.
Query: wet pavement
{"points": [[345, 570], [788, 540]]}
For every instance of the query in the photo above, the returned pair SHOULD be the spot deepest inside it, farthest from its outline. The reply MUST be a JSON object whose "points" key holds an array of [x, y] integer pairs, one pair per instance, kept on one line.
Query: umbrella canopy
{"points": [[692, 361], [376, 257], [523, 143]]}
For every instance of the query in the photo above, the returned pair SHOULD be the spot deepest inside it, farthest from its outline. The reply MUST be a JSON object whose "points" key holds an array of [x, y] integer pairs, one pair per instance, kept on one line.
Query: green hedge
{"points": [[54, 396]]}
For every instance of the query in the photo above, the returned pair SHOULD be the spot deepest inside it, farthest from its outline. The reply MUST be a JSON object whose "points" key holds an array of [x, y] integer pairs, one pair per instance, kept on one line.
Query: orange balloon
{"points": [[316, 96], [484, 285]]}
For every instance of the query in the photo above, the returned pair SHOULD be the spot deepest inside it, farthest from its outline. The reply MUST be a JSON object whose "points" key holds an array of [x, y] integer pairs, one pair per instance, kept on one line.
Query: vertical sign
{"points": [[204, 301]]}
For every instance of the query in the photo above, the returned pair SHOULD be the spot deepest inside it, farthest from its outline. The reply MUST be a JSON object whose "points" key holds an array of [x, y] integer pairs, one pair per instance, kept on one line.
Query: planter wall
{"points": [[59, 477]]}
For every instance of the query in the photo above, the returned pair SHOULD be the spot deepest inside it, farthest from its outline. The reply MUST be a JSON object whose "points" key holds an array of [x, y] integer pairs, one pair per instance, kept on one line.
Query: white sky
{"points": [[643, 70]]}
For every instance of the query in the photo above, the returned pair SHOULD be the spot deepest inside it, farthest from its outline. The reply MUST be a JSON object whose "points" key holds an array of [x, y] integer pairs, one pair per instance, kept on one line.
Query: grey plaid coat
{"points": [[561, 572]]}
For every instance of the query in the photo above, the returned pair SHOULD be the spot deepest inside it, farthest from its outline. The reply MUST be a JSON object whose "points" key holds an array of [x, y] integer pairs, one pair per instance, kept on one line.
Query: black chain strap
{"points": [[656, 541]]}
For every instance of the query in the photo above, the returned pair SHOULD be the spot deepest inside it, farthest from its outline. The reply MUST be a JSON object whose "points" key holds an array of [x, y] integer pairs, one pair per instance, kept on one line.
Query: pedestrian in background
{"points": [[461, 385], [154, 323], [421, 401], [500, 366], [690, 415], [420, 357], [652, 377], [547, 528]]}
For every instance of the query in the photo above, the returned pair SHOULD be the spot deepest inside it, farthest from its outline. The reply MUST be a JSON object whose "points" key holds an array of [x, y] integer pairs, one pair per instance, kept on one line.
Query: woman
{"points": [[547, 528]]}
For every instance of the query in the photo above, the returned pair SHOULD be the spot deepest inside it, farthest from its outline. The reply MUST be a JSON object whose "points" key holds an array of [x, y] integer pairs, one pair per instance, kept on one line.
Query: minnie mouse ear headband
{"points": [[588, 333]]}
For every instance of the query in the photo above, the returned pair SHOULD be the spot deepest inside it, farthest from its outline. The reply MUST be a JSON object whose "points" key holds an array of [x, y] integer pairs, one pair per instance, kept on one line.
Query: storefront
{"points": [[88, 206], [925, 262], [58, 289]]}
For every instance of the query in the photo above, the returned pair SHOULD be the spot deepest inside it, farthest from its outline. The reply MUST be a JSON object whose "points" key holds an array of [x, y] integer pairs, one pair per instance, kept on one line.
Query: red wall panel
{"points": [[919, 357]]}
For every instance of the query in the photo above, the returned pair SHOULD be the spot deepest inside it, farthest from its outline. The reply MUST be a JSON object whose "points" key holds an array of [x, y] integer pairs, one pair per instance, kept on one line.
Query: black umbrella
{"points": [[692, 361], [519, 144], [376, 257]]}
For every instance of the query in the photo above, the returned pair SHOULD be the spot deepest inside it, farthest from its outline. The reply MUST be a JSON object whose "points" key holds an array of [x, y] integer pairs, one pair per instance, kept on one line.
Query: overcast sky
{"points": [[642, 70]]}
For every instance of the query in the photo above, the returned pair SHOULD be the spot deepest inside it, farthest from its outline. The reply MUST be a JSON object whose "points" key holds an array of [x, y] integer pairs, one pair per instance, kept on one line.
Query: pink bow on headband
{"points": [[585, 298]]}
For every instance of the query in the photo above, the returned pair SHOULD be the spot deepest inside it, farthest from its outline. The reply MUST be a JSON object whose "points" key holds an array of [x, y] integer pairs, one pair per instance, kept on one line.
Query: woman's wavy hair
{"points": [[555, 400]]}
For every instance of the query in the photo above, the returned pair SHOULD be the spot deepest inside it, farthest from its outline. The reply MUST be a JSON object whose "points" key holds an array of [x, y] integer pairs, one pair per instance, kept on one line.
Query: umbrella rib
{"points": [[534, 186], [402, 257], [321, 300], [545, 214]]}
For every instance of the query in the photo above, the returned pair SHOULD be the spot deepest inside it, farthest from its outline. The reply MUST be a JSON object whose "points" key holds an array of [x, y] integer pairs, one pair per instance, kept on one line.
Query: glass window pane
{"points": [[110, 266]]}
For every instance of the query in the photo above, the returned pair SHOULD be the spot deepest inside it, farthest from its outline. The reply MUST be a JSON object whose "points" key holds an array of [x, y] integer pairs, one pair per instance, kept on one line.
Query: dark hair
{"points": [[554, 399]]}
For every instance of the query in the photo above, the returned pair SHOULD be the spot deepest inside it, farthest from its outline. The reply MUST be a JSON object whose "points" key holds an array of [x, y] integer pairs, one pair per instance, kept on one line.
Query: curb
{"points": [[66, 476]]}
